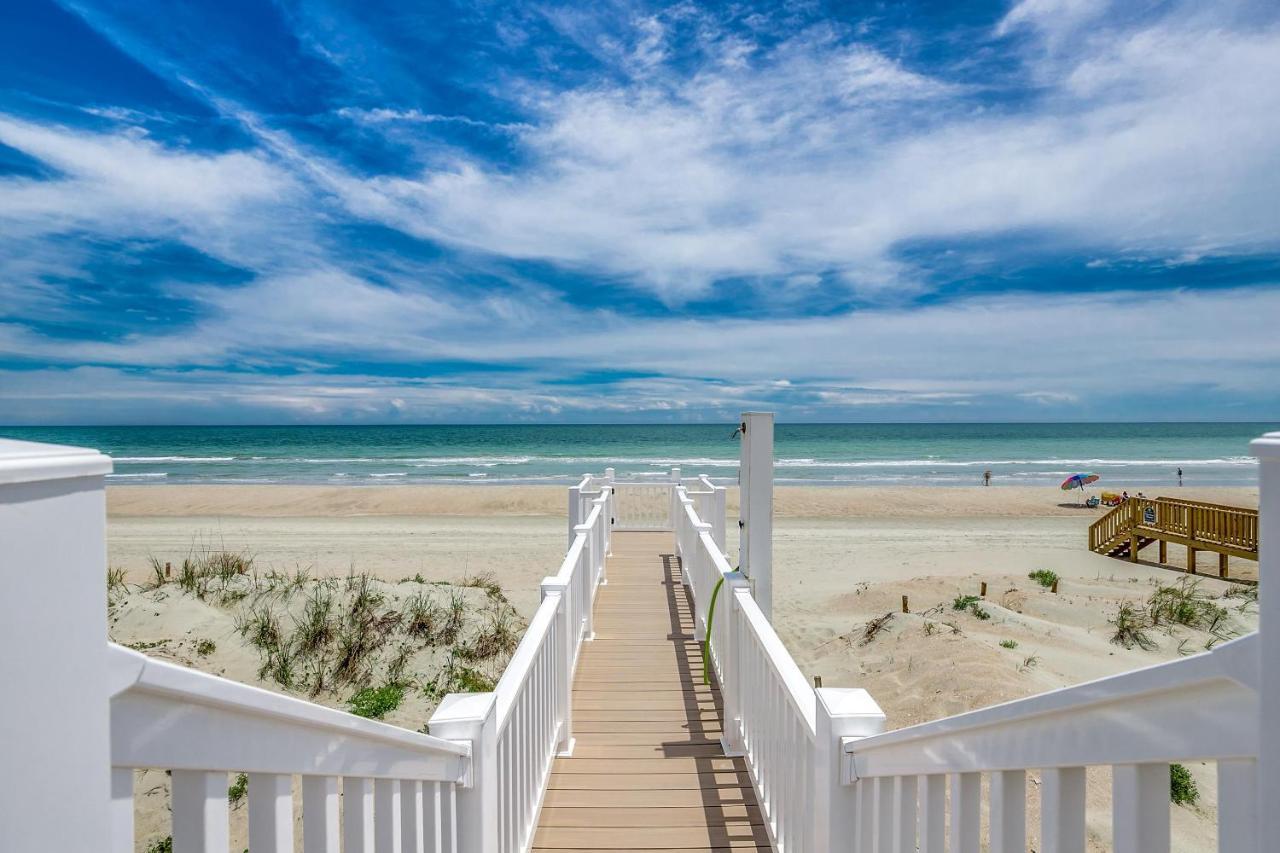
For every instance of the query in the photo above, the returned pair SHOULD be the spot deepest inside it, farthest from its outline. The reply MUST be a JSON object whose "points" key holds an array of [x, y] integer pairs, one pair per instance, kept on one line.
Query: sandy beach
{"points": [[843, 557]]}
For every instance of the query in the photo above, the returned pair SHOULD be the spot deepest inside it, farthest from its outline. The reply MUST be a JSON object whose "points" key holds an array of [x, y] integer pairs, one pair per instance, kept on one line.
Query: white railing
{"points": [[532, 714], [787, 732], [397, 786], [1202, 708]]}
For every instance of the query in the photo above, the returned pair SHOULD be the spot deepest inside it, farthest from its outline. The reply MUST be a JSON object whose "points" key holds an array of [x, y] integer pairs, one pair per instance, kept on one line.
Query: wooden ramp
{"points": [[647, 771], [1228, 531]]}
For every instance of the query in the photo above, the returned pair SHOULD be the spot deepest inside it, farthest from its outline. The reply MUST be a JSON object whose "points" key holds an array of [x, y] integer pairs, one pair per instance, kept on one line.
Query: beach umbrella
{"points": [[1078, 481]]}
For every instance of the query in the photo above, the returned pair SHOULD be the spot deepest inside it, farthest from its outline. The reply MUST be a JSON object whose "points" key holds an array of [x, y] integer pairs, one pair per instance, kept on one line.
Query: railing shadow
{"points": [[732, 815]]}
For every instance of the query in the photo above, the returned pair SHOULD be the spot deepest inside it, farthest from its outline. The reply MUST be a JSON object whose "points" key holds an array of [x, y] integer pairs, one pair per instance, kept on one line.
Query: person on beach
{"points": [[1179, 476], [986, 478]]}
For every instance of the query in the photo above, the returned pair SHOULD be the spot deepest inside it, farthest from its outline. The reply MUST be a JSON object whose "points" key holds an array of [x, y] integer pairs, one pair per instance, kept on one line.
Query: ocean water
{"points": [[1124, 454]]}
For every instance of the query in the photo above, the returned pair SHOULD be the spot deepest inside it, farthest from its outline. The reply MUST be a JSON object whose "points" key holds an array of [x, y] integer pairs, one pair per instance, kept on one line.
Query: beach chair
{"points": [[1092, 502]]}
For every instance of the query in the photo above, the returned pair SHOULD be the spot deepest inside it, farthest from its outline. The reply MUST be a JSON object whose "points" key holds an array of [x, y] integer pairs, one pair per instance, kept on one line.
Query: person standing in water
{"points": [[986, 477], [1179, 476]]}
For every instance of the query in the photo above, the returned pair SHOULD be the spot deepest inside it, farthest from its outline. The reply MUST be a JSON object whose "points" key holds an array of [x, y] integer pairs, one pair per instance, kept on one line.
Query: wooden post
{"points": [[817, 681], [1191, 559], [905, 608], [1164, 552], [168, 570], [1222, 565], [982, 592], [1054, 588], [1133, 547], [57, 792]]}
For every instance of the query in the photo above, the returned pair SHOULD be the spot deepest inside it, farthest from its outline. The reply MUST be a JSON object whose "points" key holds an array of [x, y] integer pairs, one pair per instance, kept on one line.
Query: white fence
{"points": [[397, 786]]}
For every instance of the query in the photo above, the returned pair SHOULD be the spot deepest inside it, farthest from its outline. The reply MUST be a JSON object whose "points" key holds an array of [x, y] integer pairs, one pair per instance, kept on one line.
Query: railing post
{"points": [[840, 713], [755, 475], [717, 515], [602, 534], [559, 589], [701, 597], [735, 585], [1267, 449], [674, 505], [608, 511], [472, 718], [575, 508], [588, 569], [56, 792]]}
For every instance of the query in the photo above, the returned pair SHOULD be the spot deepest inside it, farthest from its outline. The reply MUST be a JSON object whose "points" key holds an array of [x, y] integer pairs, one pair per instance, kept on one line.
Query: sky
{"points": [[386, 212]]}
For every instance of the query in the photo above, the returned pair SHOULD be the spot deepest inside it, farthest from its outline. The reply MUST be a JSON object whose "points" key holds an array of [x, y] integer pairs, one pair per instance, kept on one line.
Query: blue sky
{"points": [[254, 212]]}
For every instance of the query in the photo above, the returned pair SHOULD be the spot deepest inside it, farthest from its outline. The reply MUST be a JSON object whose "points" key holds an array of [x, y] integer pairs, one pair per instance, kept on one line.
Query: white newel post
{"points": [[564, 662], [472, 718], [588, 567], [716, 500], [575, 509], [756, 507], [55, 749], [1267, 449], [842, 712], [608, 507], [673, 505], [735, 588]]}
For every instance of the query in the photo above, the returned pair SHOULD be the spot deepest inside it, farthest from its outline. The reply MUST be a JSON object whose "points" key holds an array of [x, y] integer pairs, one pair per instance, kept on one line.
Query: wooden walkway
{"points": [[647, 771]]}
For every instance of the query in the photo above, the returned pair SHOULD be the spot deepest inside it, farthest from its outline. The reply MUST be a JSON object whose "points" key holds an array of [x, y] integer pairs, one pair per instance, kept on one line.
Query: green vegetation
{"points": [[161, 845], [1008, 644], [238, 789], [1130, 624], [1045, 577], [1182, 788], [1183, 603], [1029, 662], [377, 702], [972, 603], [205, 647]]}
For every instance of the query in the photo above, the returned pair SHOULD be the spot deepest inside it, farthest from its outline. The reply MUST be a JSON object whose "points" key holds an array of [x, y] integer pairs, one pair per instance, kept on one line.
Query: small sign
{"points": [[1149, 515]]}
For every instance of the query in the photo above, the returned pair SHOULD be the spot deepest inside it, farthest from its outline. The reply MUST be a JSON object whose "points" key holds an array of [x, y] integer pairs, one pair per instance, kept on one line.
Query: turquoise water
{"points": [[835, 454]]}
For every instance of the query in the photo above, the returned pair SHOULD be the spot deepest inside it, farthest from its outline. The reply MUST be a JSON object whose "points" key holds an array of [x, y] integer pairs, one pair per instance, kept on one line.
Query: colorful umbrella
{"points": [[1078, 481]]}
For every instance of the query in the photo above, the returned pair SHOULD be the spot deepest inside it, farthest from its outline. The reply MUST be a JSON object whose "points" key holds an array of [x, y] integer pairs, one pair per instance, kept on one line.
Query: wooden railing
{"points": [[1208, 526]]}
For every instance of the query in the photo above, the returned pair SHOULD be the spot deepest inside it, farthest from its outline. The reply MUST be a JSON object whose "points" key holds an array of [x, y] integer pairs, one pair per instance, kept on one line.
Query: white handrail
{"points": [[398, 787]]}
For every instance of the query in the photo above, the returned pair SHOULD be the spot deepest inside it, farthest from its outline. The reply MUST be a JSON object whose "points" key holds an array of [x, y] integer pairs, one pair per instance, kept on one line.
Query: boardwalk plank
{"points": [[647, 771]]}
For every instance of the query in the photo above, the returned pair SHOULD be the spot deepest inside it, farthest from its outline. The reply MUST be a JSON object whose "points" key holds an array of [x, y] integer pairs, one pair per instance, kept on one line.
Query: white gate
{"points": [[642, 506]]}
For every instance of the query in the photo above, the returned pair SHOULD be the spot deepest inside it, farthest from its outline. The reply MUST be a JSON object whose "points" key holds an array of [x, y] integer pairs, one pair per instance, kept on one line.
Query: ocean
{"points": [[1128, 455]]}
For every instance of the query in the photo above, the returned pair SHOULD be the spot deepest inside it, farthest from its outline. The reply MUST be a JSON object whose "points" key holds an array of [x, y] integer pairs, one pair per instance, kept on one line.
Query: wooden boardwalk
{"points": [[647, 771]]}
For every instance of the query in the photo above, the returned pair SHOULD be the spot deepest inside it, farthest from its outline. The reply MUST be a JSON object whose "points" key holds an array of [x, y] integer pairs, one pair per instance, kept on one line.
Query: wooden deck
{"points": [[647, 771]]}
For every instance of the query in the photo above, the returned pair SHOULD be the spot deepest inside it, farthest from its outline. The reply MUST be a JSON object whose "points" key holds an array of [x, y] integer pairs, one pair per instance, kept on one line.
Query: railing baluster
{"points": [[412, 838], [966, 811], [1062, 810], [357, 815], [885, 823], [933, 813], [1140, 808], [1238, 806], [437, 818], [1008, 811], [865, 830], [122, 810], [453, 817], [905, 789], [199, 802], [320, 816], [386, 815], [270, 813]]}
